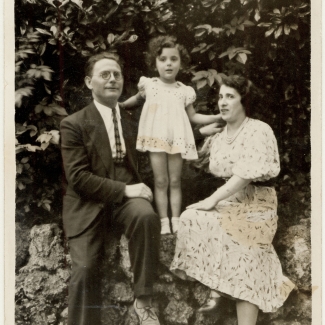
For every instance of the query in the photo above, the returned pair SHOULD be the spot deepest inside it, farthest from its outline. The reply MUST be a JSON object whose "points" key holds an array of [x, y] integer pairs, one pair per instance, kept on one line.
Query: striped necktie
{"points": [[119, 153]]}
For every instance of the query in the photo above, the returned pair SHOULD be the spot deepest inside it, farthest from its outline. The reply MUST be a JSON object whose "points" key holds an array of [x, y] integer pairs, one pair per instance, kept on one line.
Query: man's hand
{"points": [[211, 129], [138, 190]]}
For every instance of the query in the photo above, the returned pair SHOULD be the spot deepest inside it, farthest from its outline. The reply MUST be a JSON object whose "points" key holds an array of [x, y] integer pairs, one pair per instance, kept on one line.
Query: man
{"points": [[104, 190]]}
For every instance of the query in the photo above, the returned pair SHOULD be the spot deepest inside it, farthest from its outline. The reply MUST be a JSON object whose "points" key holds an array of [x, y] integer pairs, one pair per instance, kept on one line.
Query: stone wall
{"points": [[43, 273]]}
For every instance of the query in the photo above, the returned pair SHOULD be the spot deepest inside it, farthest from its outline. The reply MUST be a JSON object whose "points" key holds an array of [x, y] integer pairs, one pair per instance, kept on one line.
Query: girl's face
{"points": [[231, 108], [168, 64]]}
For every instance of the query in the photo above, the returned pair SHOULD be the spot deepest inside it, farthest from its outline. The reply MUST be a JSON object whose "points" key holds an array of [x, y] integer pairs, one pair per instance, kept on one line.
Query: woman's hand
{"points": [[207, 204]]}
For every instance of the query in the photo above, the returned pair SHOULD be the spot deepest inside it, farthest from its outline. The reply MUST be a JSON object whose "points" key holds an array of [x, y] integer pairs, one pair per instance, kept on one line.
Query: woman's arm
{"points": [[234, 185], [132, 102], [201, 118]]}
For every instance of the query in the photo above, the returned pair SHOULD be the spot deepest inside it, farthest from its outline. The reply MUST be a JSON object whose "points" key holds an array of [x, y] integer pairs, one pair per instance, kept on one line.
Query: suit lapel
{"points": [[97, 132], [129, 150]]}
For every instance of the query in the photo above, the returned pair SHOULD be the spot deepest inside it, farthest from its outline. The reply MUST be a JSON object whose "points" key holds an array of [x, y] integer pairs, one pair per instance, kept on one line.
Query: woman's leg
{"points": [[175, 163], [159, 166], [246, 313]]}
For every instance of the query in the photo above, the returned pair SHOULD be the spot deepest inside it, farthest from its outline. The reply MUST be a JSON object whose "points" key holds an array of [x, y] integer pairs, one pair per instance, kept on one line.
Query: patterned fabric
{"points": [[164, 125], [119, 153], [229, 248]]}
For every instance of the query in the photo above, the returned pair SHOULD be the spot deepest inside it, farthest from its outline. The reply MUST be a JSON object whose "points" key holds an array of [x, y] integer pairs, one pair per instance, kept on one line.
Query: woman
{"points": [[225, 241]]}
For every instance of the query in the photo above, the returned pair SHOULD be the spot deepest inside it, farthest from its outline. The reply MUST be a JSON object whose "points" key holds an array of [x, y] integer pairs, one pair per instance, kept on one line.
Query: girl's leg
{"points": [[175, 163], [159, 166], [246, 313]]}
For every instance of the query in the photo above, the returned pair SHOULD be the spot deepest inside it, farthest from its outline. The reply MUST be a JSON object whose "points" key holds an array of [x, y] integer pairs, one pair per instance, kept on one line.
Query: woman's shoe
{"points": [[211, 306]]}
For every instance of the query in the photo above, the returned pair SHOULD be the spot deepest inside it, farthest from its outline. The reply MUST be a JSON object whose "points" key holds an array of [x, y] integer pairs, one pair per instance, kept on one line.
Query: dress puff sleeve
{"points": [[142, 85], [190, 96], [259, 157]]}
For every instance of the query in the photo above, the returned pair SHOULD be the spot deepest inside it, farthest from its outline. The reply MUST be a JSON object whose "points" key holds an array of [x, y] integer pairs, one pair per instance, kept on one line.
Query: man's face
{"points": [[104, 91]]}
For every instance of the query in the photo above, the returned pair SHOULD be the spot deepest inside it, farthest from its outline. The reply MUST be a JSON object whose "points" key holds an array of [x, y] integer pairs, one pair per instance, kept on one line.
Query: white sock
{"points": [[175, 223], [165, 228]]}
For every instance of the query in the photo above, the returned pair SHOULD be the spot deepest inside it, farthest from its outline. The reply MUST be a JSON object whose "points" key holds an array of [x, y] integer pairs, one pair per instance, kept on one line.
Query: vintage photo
{"points": [[163, 162]]}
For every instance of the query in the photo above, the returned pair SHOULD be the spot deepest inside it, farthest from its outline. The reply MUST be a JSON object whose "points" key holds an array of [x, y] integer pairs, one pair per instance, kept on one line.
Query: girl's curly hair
{"points": [[156, 46]]}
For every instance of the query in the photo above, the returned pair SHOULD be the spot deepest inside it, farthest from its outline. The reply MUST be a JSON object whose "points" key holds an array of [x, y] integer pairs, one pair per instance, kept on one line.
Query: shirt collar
{"points": [[104, 110]]}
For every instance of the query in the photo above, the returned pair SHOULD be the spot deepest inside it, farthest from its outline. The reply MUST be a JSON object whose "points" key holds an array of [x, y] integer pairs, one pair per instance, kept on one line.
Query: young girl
{"points": [[164, 129]]}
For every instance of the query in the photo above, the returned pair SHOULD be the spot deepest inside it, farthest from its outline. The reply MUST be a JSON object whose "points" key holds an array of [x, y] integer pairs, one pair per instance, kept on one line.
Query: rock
{"points": [[125, 258], [178, 312], [122, 292], [200, 293], [177, 291], [22, 244], [167, 248], [294, 250], [41, 285]]}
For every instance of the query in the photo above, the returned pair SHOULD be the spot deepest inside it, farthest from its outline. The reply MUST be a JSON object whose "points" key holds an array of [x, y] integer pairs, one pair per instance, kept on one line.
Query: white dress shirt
{"points": [[106, 114]]}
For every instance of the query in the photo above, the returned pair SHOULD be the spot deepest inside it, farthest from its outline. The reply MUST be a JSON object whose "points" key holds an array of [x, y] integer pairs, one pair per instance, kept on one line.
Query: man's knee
{"points": [[144, 215]]}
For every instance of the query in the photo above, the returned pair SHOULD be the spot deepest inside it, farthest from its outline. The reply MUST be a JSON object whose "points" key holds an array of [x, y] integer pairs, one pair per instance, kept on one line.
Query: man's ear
{"points": [[88, 82]]}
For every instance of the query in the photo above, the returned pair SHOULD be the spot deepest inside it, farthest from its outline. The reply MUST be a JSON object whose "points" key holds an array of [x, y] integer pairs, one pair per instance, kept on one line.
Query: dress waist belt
{"points": [[269, 183]]}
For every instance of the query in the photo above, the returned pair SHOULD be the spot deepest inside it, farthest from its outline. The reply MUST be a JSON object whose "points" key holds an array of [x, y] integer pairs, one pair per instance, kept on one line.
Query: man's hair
{"points": [[99, 56]]}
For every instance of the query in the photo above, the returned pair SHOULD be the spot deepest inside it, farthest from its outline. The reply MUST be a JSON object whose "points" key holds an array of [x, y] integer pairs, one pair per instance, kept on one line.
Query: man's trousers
{"points": [[141, 227]]}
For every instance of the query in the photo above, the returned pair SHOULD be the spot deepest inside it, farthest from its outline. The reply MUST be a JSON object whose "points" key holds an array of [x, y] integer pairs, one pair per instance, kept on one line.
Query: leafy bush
{"points": [[266, 40]]}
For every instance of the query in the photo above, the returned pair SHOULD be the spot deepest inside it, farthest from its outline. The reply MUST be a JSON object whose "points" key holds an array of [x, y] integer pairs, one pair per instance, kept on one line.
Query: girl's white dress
{"points": [[229, 248], [164, 125]]}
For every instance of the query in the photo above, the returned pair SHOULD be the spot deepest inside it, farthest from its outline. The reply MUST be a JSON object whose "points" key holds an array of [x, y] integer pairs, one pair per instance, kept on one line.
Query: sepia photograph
{"points": [[164, 162]]}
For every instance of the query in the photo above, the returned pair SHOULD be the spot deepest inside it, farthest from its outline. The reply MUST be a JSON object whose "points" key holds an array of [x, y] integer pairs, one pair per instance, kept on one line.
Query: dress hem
{"points": [[184, 275]]}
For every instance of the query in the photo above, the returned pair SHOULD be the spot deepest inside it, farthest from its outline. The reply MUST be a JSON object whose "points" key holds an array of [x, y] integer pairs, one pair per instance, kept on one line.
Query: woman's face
{"points": [[231, 108]]}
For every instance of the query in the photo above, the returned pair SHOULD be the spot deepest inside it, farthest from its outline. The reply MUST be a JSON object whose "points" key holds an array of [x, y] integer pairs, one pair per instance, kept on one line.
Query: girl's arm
{"points": [[132, 102], [234, 185], [197, 118]]}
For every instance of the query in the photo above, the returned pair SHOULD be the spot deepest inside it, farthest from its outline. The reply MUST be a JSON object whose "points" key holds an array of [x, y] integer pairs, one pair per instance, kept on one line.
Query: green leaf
{"points": [[201, 83], [278, 32], [212, 55], [44, 138], [24, 160], [200, 75], [269, 32], [277, 11], [286, 29], [19, 168], [90, 44], [241, 57], [248, 23], [257, 15], [110, 38], [46, 206], [210, 80], [217, 30], [132, 38], [161, 28], [43, 31], [294, 26], [199, 47]]}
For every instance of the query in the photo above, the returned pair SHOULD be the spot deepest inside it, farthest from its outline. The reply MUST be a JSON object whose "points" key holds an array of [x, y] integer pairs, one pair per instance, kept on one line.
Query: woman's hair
{"points": [[102, 55], [156, 46], [245, 88]]}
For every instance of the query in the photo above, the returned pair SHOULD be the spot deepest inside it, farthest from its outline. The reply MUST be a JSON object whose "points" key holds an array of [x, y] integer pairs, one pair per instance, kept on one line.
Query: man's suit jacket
{"points": [[89, 167]]}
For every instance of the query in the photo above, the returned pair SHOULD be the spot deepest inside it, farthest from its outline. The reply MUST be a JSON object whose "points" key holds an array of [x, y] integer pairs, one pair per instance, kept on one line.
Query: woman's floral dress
{"points": [[164, 125], [229, 248]]}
